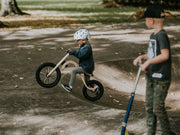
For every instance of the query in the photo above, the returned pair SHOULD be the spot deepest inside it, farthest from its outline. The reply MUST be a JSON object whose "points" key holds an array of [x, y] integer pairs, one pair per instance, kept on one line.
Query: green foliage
{"points": [[168, 4], [83, 11]]}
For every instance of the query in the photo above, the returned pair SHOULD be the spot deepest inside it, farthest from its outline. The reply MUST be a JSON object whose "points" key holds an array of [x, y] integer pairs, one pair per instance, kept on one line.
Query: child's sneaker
{"points": [[146, 133], [171, 133], [67, 88]]}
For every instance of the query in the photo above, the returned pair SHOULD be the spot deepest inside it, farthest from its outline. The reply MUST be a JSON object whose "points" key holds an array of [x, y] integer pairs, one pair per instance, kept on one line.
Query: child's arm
{"points": [[158, 59], [83, 53], [139, 59]]}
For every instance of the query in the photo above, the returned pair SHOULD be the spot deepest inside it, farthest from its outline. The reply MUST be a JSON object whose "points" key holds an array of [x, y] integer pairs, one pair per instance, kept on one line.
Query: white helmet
{"points": [[82, 34]]}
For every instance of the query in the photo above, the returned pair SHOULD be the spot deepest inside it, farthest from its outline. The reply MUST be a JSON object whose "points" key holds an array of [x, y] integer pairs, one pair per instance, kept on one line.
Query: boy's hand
{"points": [[145, 65], [70, 52], [137, 61]]}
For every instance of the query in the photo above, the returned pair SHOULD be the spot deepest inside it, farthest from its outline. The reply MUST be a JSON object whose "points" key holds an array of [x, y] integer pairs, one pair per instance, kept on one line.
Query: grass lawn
{"points": [[66, 12]]}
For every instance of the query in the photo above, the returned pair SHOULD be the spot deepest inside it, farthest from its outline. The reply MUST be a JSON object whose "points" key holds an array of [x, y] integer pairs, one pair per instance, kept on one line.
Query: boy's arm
{"points": [[158, 59]]}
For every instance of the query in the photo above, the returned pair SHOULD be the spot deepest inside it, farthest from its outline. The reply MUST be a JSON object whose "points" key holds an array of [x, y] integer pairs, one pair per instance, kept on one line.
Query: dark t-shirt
{"points": [[160, 71]]}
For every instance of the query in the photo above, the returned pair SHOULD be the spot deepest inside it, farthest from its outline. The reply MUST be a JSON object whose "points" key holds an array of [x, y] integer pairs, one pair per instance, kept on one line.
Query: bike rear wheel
{"points": [[47, 81], [96, 94]]}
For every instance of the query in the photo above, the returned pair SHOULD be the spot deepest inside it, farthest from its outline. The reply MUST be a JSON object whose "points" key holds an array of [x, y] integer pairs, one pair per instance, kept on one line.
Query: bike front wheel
{"points": [[48, 81], [95, 94]]}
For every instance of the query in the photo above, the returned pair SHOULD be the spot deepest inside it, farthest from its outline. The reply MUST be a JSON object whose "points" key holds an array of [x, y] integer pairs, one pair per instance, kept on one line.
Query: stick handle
{"points": [[124, 124], [137, 79]]}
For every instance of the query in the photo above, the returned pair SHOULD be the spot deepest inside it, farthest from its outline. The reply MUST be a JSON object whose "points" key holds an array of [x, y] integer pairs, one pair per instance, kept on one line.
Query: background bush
{"points": [[168, 4]]}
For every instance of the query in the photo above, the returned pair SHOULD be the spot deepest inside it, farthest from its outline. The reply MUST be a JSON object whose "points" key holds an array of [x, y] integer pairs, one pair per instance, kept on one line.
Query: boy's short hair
{"points": [[154, 11]]}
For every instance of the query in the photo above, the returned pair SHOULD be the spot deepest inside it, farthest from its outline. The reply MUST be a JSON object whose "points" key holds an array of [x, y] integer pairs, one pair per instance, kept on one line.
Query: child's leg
{"points": [[86, 78], [73, 75], [150, 116], [161, 90]]}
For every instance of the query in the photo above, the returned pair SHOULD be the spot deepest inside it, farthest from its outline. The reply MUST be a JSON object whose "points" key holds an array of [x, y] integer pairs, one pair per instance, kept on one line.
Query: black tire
{"points": [[93, 95], [41, 75]]}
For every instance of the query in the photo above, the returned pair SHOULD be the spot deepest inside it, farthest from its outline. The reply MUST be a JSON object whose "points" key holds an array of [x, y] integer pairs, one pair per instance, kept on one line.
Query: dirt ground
{"points": [[26, 108]]}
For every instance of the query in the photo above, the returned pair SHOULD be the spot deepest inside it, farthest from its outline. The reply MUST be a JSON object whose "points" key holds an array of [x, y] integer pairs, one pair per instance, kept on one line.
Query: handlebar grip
{"points": [[138, 64]]}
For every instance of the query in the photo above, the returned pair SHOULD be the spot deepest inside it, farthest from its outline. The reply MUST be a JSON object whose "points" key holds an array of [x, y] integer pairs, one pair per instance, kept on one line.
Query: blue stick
{"points": [[130, 103], [127, 114]]}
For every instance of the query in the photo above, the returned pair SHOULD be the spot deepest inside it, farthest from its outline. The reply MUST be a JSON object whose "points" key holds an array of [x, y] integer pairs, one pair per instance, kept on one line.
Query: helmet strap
{"points": [[84, 42]]}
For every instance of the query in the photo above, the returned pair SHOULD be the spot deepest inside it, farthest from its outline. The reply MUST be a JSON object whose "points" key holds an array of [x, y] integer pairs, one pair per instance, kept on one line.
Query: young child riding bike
{"points": [[85, 56]]}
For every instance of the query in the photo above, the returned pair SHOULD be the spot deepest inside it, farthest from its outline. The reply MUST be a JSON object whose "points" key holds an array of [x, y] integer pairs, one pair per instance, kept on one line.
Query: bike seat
{"points": [[88, 74]]}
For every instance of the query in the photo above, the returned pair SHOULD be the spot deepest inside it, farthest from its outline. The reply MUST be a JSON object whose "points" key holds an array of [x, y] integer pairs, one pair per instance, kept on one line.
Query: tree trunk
{"points": [[2, 25], [10, 7]]}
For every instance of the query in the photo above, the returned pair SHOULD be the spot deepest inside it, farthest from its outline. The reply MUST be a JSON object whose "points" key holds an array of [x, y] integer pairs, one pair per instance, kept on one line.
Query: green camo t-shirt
{"points": [[160, 71]]}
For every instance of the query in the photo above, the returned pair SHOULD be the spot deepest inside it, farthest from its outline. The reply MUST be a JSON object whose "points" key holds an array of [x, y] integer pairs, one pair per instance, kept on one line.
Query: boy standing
{"points": [[158, 71], [85, 56]]}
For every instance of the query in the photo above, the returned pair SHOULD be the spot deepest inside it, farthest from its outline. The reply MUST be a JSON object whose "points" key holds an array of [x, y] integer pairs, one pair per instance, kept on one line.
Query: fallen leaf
{"points": [[46, 128], [16, 86], [39, 49], [68, 102], [15, 75], [131, 78], [29, 58], [115, 100], [86, 122], [21, 78], [53, 48], [62, 131]]}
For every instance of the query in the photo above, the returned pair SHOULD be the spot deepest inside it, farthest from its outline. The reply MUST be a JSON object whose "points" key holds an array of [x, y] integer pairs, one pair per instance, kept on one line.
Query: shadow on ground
{"points": [[26, 108]]}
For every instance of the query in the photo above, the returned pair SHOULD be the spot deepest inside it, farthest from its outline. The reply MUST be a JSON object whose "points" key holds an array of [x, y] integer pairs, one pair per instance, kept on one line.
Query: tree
{"points": [[10, 7], [167, 4], [2, 25]]}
